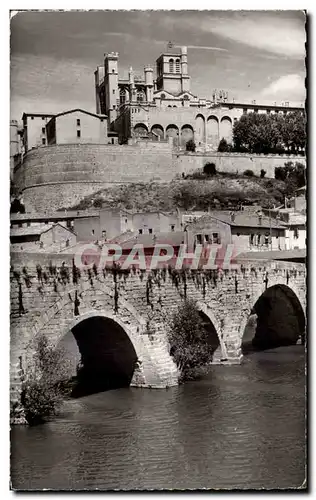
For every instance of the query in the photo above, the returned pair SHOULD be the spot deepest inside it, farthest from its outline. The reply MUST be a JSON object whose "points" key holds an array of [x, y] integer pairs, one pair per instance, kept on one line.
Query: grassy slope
{"points": [[222, 191]]}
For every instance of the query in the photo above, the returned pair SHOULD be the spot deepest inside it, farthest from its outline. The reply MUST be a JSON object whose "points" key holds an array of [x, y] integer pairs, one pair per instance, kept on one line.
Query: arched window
{"points": [[140, 96], [177, 65], [163, 96], [171, 65], [122, 96]]}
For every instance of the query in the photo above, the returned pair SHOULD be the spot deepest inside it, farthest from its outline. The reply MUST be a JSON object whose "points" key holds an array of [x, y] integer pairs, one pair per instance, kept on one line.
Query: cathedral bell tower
{"points": [[172, 70]]}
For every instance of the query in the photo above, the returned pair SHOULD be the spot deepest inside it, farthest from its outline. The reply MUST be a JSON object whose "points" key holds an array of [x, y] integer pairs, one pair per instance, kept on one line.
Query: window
{"points": [[207, 238], [112, 140], [295, 233], [177, 65], [28, 224], [114, 106], [78, 133], [199, 239], [102, 120], [68, 223], [140, 231], [113, 71], [78, 122], [252, 237], [122, 96], [43, 117], [113, 91], [125, 221], [20, 224], [92, 231], [150, 230], [216, 238], [32, 117], [140, 96], [43, 142], [244, 111], [170, 65], [43, 130], [172, 227]]}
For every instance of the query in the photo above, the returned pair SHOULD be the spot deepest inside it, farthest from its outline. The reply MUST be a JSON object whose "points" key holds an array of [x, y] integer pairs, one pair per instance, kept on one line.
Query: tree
{"points": [[273, 133], [41, 391], [189, 343], [190, 146], [249, 173]]}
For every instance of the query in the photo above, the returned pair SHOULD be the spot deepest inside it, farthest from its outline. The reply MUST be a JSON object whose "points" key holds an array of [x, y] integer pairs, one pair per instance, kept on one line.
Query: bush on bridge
{"points": [[42, 392], [189, 343]]}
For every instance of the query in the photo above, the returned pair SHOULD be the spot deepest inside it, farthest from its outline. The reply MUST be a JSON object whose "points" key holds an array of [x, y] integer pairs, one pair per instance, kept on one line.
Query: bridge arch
{"points": [[221, 352], [106, 349], [277, 318]]}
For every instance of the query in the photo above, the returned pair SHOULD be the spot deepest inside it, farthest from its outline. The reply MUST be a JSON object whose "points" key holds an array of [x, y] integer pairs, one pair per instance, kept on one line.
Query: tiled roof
{"points": [[274, 255], [29, 231], [69, 214], [150, 240]]}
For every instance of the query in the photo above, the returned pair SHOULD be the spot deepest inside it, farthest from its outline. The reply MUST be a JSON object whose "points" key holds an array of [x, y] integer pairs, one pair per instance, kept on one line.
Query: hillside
{"points": [[220, 192]]}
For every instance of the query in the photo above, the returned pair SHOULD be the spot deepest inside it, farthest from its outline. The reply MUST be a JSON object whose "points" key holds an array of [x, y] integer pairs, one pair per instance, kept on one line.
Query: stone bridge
{"points": [[131, 309]]}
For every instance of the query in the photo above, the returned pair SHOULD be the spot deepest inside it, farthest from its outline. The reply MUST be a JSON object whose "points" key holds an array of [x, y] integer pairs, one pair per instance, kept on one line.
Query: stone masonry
{"points": [[58, 176]]}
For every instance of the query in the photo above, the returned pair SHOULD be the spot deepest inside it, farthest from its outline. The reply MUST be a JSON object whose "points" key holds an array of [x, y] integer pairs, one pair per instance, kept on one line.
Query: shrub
{"points": [[190, 146], [189, 344], [262, 173], [98, 203], [41, 391], [249, 173], [224, 147], [210, 169]]}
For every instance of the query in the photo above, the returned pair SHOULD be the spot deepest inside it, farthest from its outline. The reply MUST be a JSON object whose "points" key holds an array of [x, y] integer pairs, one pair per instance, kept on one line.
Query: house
{"points": [[246, 231], [109, 224], [55, 236]]}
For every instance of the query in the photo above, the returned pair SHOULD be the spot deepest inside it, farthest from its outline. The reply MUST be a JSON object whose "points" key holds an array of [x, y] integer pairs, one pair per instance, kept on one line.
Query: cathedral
{"points": [[163, 107]]}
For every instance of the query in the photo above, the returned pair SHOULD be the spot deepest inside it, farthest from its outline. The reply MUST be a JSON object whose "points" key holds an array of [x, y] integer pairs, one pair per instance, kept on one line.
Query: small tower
{"points": [[149, 83], [184, 70], [111, 85], [132, 87]]}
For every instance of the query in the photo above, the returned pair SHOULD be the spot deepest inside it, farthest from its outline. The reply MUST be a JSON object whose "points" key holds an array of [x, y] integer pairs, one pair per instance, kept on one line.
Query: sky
{"points": [[251, 54]]}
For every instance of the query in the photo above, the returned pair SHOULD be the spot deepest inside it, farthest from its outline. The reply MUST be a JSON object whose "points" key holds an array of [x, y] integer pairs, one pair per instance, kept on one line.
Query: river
{"points": [[242, 426]]}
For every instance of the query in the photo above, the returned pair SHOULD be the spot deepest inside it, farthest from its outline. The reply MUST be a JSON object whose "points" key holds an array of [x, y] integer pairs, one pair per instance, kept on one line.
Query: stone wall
{"points": [[234, 162], [61, 175]]}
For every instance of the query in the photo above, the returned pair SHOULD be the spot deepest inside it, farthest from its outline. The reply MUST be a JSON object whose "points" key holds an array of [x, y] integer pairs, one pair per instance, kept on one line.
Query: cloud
{"points": [[198, 47], [275, 32], [287, 87]]}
